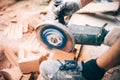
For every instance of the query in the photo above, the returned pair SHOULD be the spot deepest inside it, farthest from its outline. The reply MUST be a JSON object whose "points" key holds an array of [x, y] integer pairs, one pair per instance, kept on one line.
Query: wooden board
{"points": [[6, 3], [13, 73], [17, 23], [100, 7], [14, 31], [31, 42]]}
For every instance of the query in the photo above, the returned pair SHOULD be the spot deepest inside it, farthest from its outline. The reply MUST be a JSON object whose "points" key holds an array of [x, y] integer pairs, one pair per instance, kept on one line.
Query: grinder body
{"points": [[88, 35]]}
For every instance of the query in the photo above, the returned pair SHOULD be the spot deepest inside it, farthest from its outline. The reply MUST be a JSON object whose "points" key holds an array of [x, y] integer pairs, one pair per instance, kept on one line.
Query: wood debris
{"points": [[18, 27], [100, 7]]}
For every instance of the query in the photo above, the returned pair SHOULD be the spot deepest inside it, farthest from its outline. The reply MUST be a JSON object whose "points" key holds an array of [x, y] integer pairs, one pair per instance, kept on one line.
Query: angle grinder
{"points": [[55, 34]]}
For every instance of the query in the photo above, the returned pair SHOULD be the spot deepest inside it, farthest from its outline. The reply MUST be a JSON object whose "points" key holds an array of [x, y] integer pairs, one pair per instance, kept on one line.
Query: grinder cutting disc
{"points": [[53, 35]]}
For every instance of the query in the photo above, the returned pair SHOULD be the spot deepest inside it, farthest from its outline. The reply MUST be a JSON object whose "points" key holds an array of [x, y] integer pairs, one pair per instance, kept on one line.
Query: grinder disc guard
{"points": [[54, 35]]}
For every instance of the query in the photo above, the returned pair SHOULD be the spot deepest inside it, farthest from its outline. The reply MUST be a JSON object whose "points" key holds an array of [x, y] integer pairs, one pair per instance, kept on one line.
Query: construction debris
{"points": [[20, 52]]}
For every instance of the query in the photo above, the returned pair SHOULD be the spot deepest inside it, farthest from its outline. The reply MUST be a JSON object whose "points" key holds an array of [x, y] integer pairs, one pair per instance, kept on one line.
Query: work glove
{"points": [[66, 7], [112, 36], [50, 70]]}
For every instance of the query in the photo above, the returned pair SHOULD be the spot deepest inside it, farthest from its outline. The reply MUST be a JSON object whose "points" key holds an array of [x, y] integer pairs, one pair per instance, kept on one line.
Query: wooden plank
{"points": [[40, 78], [25, 77], [78, 51], [6, 3], [13, 73], [93, 20], [32, 43], [10, 54], [13, 31], [5, 33], [100, 7], [18, 31], [47, 8]]}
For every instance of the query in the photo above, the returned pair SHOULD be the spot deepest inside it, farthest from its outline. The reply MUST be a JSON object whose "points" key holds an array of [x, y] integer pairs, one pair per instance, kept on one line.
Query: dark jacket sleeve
{"points": [[91, 71]]}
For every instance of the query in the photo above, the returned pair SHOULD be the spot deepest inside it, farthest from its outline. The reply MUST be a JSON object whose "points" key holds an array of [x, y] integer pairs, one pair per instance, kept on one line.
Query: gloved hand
{"points": [[112, 36], [49, 70], [66, 7]]}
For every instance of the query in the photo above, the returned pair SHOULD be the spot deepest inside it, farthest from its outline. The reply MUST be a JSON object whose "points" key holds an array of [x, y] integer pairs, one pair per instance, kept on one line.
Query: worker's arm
{"points": [[95, 69], [111, 58]]}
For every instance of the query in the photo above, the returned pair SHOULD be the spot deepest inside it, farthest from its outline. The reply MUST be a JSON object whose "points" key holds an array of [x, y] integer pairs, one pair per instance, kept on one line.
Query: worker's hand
{"points": [[112, 36], [66, 7], [50, 70]]}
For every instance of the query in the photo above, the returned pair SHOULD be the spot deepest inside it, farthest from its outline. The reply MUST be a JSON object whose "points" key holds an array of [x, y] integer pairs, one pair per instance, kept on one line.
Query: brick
{"points": [[29, 62], [28, 65], [61, 55]]}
